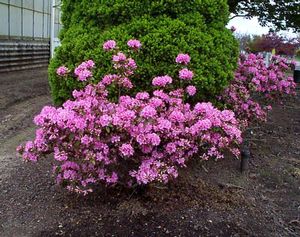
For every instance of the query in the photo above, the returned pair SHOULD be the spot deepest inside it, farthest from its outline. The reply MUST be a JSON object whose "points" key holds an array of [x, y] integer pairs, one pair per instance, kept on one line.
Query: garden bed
{"points": [[209, 199]]}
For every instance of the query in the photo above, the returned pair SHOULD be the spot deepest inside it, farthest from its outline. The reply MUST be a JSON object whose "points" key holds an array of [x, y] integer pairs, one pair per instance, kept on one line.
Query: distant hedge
{"points": [[165, 28]]}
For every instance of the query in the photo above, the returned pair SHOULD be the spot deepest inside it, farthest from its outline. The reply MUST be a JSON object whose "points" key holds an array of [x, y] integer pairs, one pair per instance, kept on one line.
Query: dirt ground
{"points": [[209, 199]]}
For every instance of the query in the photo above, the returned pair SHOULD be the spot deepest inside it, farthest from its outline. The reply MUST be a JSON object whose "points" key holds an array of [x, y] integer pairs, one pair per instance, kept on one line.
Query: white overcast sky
{"points": [[252, 26]]}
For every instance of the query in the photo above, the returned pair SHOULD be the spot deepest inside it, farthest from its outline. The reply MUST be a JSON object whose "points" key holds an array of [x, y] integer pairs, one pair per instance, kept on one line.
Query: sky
{"points": [[252, 26]]}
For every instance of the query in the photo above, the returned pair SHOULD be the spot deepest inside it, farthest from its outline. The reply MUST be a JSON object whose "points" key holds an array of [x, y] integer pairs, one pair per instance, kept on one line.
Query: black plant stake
{"points": [[245, 156], [297, 75]]}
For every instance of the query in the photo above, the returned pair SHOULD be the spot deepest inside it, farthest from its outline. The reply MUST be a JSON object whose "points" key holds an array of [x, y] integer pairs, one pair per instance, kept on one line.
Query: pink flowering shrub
{"points": [[141, 139], [255, 86]]}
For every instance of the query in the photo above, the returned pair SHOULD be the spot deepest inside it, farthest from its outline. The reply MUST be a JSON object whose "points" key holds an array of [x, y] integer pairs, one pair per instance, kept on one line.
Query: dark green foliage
{"points": [[165, 28]]}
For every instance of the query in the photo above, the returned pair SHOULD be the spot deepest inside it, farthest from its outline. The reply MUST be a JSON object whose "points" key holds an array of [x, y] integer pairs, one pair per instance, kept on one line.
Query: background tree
{"points": [[282, 14], [268, 42]]}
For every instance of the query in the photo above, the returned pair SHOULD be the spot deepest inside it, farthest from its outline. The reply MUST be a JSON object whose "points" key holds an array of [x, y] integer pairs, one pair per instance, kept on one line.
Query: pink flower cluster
{"points": [[125, 68], [186, 74], [134, 44], [254, 80], [109, 45], [140, 139], [162, 81], [83, 71], [62, 71], [191, 90], [183, 59]]}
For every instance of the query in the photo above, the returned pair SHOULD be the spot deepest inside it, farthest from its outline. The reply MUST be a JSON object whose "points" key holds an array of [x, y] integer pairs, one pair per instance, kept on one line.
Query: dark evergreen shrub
{"points": [[165, 28]]}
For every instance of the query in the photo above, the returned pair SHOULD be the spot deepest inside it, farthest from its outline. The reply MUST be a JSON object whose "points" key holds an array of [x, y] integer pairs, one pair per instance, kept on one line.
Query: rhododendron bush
{"points": [[256, 86], [147, 138], [136, 140]]}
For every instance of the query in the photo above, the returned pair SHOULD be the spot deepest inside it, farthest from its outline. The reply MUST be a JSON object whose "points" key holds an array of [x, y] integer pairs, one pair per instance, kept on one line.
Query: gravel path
{"points": [[23, 94]]}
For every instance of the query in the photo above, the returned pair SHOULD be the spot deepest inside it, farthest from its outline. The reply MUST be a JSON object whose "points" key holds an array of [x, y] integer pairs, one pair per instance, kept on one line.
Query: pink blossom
{"points": [[191, 90], [183, 59], [177, 116], [108, 79], [161, 81], [153, 139], [131, 63], [164, 124], [62, 71], [69, 174], [83, 70], [148, 112], [201, 125], [156, 102], [171, 148], [105, 120], [86, 140], [133, 43], [177, 93], [186, 74], [161, 94], [109, 45], [112, 179], [227, 115], [126, 150], [126, 83], [120, 57], [84, 75], [90, 64], [60, 155], [115, 139], [142, 96]]}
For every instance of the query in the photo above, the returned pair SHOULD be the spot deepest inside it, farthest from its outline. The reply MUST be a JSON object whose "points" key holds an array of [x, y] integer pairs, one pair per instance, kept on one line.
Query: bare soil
{"points": [[209, 199]]}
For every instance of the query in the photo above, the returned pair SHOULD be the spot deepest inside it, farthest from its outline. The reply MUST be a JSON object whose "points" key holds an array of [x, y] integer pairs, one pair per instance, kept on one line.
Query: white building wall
{"points": [[25, 19], [56, 24], [27, 29]]}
